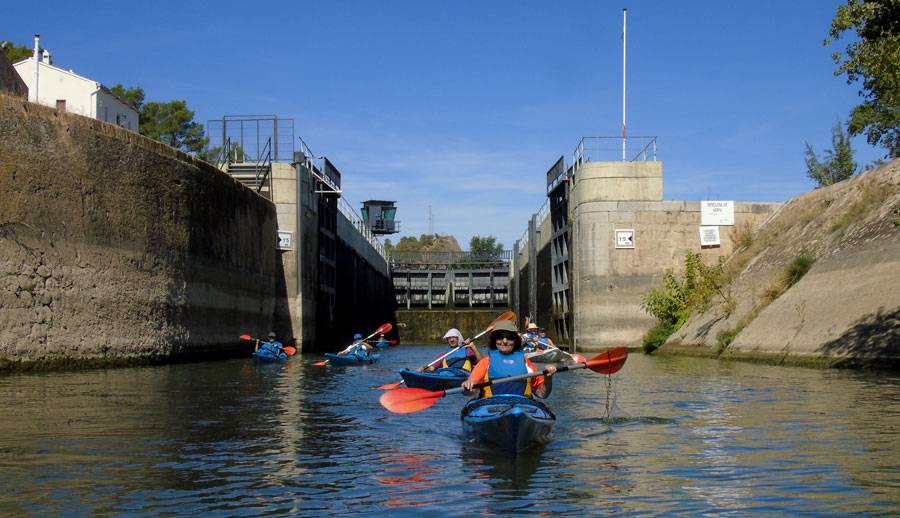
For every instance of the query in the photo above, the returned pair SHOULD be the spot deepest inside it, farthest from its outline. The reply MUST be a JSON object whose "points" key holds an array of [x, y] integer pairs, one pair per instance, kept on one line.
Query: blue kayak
{"points": [[511, 422], [351, 359], [269, 356], [440, 379]]}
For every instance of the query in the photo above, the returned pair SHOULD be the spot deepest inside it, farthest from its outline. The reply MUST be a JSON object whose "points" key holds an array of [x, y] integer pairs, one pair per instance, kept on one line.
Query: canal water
{"points": [[684, 435]]}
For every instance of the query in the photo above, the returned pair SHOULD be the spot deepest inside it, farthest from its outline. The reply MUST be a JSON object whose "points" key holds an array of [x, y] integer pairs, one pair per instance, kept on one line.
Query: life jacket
{"points": [[358, 350], [458, 359], [544, 342], [504, 366], [528, 342], [273, 347]]}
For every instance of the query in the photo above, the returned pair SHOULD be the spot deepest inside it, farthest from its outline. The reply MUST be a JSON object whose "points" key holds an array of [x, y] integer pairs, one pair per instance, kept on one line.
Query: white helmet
{"points": [[454, 332]]}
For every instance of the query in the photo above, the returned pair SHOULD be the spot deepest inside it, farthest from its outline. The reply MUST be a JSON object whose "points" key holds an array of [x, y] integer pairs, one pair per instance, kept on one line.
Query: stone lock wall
{"points": [[115, 248]]}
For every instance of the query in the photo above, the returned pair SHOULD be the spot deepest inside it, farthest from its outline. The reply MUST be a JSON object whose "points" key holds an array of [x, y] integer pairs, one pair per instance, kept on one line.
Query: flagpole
{"points": [[624, 45]]}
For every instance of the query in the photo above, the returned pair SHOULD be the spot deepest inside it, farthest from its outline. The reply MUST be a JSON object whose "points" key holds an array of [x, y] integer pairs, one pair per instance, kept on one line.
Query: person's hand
{"points": [[468, 385], [468, 343], [550, 370]]}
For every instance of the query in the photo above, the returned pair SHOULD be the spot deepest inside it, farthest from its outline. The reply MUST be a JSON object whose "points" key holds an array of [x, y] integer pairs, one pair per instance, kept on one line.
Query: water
{"points": [[686, 436]]}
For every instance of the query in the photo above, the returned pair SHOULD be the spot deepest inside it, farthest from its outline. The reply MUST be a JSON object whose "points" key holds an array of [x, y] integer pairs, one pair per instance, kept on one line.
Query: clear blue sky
{"points": [[464, 105]]}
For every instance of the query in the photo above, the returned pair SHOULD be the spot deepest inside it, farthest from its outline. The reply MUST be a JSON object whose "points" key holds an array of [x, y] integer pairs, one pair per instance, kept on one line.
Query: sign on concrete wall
{"points": [[717, 213], [625, 238], [709, 236], [285, 240]]}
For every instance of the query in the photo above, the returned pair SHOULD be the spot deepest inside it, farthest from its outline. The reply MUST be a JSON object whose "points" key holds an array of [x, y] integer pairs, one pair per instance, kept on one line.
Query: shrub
{"points": [[657, 336], [724, 338]]}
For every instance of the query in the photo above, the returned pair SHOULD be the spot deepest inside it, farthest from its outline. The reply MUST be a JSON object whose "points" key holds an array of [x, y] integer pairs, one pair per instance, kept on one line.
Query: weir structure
{"points": [[604, 237]]}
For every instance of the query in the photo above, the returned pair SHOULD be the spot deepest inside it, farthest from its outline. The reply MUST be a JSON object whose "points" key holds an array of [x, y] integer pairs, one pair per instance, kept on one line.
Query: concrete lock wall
{"points": [[608, 282], [115, 248]]}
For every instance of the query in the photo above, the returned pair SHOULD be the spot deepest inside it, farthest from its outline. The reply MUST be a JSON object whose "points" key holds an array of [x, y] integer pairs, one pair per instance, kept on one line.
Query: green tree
{"points": [[837, 164], [133, 97], [173, 123], [15, 53], [875, 59], [485, 248]]}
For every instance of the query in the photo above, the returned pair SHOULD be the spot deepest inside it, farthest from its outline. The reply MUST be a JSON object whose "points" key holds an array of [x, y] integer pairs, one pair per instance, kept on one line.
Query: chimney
{"points": [[37, 67], [46, 56]]}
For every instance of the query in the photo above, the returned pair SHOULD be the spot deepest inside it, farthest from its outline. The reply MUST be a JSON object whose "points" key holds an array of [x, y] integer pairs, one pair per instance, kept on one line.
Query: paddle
{"points": [[409, 400], [384, 328], [509, 315], [288, 350]]}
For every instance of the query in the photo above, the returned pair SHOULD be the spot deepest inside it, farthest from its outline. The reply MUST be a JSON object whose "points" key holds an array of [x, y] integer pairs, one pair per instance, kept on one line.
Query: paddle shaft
{"points": [[458, 347], [499, 381]]}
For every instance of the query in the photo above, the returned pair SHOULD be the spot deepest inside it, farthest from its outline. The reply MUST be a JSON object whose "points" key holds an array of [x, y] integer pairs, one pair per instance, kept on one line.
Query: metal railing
{"points": [[250, 133], [450, 257], [609, 149], [263, 166], [361, 226]]}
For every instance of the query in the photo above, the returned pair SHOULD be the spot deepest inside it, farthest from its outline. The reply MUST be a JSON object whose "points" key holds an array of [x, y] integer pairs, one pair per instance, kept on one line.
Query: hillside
{"points": [[844, 310]]}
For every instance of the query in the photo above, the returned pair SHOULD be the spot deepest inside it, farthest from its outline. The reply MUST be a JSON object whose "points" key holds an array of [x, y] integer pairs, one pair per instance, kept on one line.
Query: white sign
{"points": [[285, 240], [717, 213], [625, 238], [709, 236]]}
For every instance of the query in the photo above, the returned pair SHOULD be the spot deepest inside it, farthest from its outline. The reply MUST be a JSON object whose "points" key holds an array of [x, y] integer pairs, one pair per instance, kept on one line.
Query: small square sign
{"points": [[625, 238], [285, 240], [709, 236], [717, 213]]}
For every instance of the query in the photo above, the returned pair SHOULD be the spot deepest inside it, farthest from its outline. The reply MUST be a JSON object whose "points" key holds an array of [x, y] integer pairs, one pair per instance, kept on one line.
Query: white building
{"points": [[67, 91]]}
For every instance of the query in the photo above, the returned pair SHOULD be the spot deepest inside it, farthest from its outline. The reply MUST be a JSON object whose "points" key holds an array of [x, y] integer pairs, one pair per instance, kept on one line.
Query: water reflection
{"points": [[683, 436]]}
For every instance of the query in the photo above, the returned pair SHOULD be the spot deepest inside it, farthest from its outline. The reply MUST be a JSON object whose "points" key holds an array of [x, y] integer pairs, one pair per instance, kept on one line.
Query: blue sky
{"points": [[464, 105]]}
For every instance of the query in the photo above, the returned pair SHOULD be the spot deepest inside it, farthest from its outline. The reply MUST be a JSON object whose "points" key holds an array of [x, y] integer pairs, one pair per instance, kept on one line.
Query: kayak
{"points": [[269, 356], [440, 379], [555, 356], [512, 422], [351, 359], [382, 344]]}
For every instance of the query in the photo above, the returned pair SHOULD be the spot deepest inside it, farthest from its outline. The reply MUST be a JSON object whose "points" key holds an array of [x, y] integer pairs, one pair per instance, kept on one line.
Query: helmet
{"points": [[454, 332], [542, 330], [272, 335], [532, 326], [505, 325], [357, 336]]}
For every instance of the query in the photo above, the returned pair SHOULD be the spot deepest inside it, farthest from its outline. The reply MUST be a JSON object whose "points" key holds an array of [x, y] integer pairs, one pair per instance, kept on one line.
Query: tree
{"points": [[133, 97], [15, 53], [874, 59], [173, 123], [485, 248], [837, 164]]}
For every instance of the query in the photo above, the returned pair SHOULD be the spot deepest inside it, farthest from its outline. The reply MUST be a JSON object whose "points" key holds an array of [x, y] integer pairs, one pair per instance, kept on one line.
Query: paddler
{"points": [[544, 341], [530, 338], [460, 353], [507, 359], [271, 345], [358, 347]]}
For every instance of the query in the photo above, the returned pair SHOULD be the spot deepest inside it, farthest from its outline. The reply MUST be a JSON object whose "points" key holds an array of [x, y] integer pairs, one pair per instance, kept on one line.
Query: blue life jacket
{"points": [[504, 366], [359, 350], [458, 359], [273, 347]]}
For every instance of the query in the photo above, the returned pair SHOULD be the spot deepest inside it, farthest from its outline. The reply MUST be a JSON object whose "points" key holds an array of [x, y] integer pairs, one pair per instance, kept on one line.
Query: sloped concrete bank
{"points": [[116, 249], [844, 312]]}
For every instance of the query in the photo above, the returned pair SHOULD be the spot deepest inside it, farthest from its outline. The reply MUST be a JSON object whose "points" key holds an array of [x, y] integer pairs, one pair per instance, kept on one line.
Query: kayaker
{"points": [[544, 341], [530, 338], [271, 345], [464, 353], [382, 342], [358, 346], [507, 359]]}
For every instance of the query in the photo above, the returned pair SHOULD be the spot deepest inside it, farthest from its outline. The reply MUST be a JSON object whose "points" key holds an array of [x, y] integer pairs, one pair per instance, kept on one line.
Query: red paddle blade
{"points": [[390, 386], [290, 351], [409, 400], [392, 342], [608, 362], [383, 329], [321, 364], [247, 337]]}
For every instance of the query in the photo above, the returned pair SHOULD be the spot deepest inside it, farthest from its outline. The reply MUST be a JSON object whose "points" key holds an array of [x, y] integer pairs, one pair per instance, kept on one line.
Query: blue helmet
{"points": [[357, 336]]}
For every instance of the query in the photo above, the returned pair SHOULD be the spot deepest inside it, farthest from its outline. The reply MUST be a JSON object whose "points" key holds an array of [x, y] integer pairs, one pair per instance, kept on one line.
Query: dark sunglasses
{"points": [[509, 335]]}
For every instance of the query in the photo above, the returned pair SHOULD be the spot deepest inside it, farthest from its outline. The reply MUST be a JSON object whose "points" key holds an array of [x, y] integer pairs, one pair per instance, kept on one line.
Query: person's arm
{"points": [[474, 348], [477, 375], [542, 386]]}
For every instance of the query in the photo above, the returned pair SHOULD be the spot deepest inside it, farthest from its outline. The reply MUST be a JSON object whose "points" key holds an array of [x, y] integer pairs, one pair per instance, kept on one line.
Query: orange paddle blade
{"points": [[247, 337], [409, 400], [390, 386], [321, 364], [608, 362], [290, 351], [385, 328]]}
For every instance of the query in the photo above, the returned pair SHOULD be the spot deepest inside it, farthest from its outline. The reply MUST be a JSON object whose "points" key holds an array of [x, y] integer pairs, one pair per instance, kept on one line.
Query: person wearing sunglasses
{"points": [[507, 359]]}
